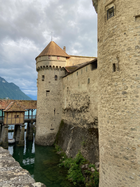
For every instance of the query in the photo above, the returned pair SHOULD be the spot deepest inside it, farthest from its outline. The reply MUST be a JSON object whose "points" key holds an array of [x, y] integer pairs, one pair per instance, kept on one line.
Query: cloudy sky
{"points": [[25, 30]]}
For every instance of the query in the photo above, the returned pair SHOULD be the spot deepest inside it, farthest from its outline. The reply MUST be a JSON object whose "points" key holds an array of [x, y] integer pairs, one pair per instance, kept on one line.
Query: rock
{"points": [[92, 169], [97, 164], [84, 166], [59, 152], [38, 184], [97, 169]]}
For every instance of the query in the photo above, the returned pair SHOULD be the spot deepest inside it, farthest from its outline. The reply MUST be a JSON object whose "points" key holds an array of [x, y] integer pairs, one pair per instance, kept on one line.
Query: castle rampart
{"points": [[80, 113], [53, 61], [119, 92]]}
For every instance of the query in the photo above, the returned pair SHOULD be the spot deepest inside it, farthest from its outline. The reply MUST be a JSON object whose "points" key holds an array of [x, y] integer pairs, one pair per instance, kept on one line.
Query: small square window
{"points": [[16, 116], [47, 91], [110, 12]]}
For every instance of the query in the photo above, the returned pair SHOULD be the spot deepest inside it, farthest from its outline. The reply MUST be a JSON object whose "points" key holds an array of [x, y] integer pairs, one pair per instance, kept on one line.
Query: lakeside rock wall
{"points": [[12, 175]]}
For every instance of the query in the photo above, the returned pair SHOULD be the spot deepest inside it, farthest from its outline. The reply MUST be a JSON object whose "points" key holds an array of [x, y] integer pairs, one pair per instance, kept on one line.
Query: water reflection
{"points": [[41, 162]]}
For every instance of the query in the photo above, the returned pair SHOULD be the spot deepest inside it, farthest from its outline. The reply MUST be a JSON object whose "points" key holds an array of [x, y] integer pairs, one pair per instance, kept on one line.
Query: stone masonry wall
{"points": [[119, 93], [12, 175], [80, 114], [74, 60], [49, 104]]}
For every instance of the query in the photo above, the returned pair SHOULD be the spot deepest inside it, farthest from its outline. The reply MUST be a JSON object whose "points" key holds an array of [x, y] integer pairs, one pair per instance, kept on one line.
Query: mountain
{"points": [[11, 91]]}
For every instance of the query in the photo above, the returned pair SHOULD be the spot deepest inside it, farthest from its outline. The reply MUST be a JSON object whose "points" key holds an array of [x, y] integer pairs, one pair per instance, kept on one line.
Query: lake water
{"points": [[41, 162]]}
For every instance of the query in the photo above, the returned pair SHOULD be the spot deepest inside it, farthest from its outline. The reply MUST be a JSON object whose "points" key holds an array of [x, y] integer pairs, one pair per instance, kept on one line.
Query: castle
{"points": [[81, 93]]}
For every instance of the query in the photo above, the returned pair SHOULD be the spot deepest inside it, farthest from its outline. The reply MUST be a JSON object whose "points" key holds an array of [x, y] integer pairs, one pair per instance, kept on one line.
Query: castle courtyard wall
{"points": [[79, 130]]}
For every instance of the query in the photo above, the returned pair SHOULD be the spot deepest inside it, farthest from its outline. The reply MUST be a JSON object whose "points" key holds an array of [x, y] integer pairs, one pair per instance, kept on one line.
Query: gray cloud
{"points": [[25, 30]]}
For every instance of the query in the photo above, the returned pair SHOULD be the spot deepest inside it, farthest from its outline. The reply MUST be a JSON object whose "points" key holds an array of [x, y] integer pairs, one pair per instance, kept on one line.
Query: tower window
{"points": [[110, 12], [43, 77], [88, 80], [47, 91], [77, 73], [114, 67], [55, 77]]}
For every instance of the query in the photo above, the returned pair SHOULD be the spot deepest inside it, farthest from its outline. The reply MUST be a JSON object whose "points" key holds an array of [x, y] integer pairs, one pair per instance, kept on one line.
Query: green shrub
{"points": [[75, 174]]}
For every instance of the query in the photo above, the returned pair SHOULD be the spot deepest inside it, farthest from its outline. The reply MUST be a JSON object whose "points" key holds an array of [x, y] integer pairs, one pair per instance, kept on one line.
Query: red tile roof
{"points": [[25, 104], [14, 106], [53, 49]]}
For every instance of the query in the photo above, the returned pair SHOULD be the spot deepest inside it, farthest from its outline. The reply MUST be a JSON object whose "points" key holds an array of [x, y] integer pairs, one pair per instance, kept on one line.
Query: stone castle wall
{"points": [[119, 93], [49, 104], [80, 114], [56, 61], [74, 60]]}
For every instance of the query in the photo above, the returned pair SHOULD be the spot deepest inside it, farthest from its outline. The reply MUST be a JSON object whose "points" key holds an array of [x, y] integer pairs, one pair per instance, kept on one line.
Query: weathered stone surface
{"points": [[12, 175], [119, 91], [73, 139], [49, 102], [80, 98]]}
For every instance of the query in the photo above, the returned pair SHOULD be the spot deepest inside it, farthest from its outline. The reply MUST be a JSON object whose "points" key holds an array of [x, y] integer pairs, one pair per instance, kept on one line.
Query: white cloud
{"points": [[26, 28]]}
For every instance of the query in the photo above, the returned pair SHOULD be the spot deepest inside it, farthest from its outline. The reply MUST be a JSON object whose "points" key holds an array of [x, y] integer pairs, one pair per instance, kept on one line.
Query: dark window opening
{"points": [[43, 77], [77, 73], [16, 116], [88, 80], [110, 13], [47, 91], [114, 67], [55, 77], [54, 111], [94, 65], [137, 18]]}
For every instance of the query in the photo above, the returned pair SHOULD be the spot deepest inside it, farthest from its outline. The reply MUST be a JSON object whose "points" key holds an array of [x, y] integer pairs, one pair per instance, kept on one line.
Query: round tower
{"points": [[119, 89], [50, 67]]}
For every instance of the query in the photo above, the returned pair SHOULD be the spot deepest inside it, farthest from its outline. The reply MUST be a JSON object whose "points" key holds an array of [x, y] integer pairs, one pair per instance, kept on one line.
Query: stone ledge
{"points": [[12, 174]]}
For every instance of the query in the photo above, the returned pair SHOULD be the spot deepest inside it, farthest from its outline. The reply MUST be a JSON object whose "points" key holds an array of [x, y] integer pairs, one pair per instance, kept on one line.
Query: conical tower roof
{"points": [[53, 49]]}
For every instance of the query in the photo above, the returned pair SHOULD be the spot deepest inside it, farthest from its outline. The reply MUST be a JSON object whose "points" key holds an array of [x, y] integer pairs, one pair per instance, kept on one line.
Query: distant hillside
{"points": [[11, 91]]}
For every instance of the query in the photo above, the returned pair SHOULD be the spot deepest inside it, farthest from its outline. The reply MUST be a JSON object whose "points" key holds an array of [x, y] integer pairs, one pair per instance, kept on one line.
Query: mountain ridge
{"points": [[11, 91]]}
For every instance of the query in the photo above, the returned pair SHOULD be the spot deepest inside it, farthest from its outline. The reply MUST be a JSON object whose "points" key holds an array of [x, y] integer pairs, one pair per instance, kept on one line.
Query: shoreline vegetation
{"points": [[80, 172]]}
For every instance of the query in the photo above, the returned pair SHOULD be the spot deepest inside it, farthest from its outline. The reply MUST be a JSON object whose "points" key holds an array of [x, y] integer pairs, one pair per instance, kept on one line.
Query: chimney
{"points": [[64, 48]]}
